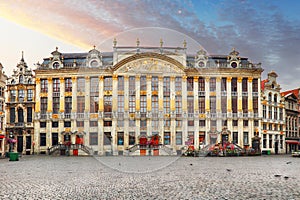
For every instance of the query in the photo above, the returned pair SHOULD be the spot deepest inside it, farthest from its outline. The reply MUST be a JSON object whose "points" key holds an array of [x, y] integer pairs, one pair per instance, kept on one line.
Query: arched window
{"points": [[270, 97], [21, 79], [275, 97]]}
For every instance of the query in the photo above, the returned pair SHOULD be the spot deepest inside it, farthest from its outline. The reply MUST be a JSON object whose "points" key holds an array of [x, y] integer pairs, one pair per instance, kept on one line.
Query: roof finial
{"points": [[94, 46], [56, 48], [184, 44], [115, 42], [137, 42], [22, 59], [161, 42]]}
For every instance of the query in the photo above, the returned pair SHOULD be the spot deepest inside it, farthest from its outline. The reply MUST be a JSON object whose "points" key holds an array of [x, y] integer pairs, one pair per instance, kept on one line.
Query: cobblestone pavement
{"points": [[45, 177]]}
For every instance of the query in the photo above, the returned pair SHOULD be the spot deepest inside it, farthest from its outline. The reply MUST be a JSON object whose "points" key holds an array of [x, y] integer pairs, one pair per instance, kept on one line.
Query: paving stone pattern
{"points": [[46, 177]]}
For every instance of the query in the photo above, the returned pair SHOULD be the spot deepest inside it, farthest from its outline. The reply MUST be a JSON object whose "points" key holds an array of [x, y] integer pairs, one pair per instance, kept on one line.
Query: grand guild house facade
{"points": [[20, 108], [3, 78], [111, 101]]}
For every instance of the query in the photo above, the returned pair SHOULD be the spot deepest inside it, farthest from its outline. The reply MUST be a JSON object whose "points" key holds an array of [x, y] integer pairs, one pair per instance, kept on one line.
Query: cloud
{"points": [[257, 29]]}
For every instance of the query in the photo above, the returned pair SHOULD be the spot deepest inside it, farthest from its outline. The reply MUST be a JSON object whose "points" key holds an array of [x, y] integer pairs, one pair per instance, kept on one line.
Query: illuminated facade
{"points": [[112, 100], [20, 108], [273, 117]]}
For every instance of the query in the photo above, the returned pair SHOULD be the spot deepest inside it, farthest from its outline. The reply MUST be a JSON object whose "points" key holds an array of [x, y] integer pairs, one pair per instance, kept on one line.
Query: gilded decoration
{"points": [[196, 78], [207, 79], [87, 78], [74, 79], [37, 80], [101, 78], [178, 93], [218, 79], [80, 93], [250, 79], [43, 94], [142, 92], [115, 77], [55, 116], [172, 78], [202, 116], [190, 93], [121, 92], [49, 79], [239, 79], [229, 79], [108, 93], [67, 130], [94, 116], [68, 94], [62, 79], [146, 65], [154, 92]]}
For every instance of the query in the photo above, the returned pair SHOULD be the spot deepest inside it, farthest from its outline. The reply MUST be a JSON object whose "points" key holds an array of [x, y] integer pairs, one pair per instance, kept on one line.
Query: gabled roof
{"points": [[294, 91]]}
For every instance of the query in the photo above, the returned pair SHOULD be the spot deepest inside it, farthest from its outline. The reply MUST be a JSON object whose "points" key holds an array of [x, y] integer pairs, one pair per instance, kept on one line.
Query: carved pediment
{"points": [[149, 65]]}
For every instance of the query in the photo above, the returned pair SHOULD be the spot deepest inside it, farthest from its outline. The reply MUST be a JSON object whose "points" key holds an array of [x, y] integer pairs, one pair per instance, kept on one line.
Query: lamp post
{"points": [[11, 145]]}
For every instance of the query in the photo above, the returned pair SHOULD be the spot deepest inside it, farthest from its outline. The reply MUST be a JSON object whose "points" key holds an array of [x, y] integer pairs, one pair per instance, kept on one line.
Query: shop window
{"points": [[131, 138], [107, 138], [93, 138], [167, 138], [42, 139], [178, 138], [120, 138], [54, 124]]}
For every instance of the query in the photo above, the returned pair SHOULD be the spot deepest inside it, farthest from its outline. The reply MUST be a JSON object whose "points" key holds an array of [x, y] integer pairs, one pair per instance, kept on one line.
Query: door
{"points": [[20, 144], [28, 142]]}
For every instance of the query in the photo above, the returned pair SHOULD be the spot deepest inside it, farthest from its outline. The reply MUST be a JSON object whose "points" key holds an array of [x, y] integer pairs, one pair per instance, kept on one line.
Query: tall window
{"points": [[235, 137], [143, 104], [245, 104], [280, 114], [120, 83], [190, 83], [44, 85], [178, 138], [56, 85], [264, 111], [212, 84], [107, 138], [234, 85], [132, 103], [201, 104], [68, 105], [94, 94], [80, 104], [234, 104], [108, 104], [154, 83], [2, 92], [255, 104], [80, 84], [29, 95], [120, 104], [43, 105], [154, 105], [275, 113], [255, 85], [190, 104], [93, 138], [178, 106], [223, 84], [120, 138], [1, 106], [270, 140], [224, 104], [42, 139], [131, 138], [212, 101], [166, 88], [246, 141], [264, 141], [270, 112], [166, 105], [201, 84], [21, 95], [143, 83], [244, 84], [13, 95], [178, 84], [108, 83], [55, 105], [12, 113], [167, 138], [131, 85], [68, 85]]}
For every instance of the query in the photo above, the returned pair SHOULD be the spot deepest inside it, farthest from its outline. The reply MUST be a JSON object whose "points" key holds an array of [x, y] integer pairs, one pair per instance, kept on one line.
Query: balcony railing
{"points": [[224, 93], [80, 115], [43, 116], [233, 93], [67, 115], [56, 94], [107, 114], [244, 94], [201, 93], [255, 94]]}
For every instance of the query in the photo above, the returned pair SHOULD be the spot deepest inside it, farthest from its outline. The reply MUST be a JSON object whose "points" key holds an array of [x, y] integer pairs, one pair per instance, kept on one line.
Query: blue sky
{"points": [[265, 31]]}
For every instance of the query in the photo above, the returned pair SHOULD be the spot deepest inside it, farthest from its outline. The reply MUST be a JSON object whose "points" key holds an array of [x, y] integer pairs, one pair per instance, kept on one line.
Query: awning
{"points": [[292, 142]]}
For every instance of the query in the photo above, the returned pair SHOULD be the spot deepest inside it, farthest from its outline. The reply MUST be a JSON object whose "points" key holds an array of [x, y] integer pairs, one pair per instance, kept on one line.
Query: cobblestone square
{"points": [[46, 177]]}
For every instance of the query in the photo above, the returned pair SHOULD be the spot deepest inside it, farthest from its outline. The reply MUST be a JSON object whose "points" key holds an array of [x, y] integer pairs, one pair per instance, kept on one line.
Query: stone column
{"points": [[126, 110], [173, 111], [207, 110], [114, 110], [196, 113], [184, 109], [161, 108], [149, 105], [137, 107]]}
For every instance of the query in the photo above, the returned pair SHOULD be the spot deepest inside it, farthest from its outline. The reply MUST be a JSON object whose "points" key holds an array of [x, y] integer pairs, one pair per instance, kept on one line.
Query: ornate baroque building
{"points": [[292, 119], [273, 120], [110, 101], [20, 108], [3, 78]]}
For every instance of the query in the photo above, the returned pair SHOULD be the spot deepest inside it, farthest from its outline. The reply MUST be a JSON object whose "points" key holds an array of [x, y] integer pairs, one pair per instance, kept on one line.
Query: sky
{"points": [[263, 30]]}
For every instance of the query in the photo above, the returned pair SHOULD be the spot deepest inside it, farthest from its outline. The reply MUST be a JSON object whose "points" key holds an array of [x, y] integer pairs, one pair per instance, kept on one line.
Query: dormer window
{"points": [[55, 65], [21, 80], [233, 64], [94, 63]]}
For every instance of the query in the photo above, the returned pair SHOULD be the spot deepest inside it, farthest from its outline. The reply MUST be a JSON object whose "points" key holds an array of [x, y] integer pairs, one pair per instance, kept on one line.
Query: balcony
{"points": [[19, 124], [213, 115], [190, 115], [234, 115], [143, 115], [244, 94], [107, 114], [234, 94], [43, 116], [255, 94], [67, 115], [80, 115], [245, 115], [56, 94], [201, 93], [223, 93], [224, 115]]}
